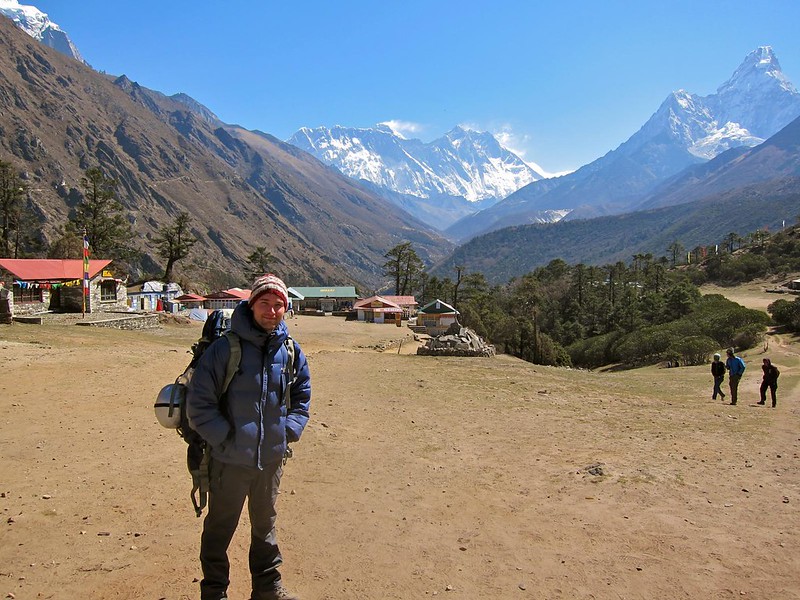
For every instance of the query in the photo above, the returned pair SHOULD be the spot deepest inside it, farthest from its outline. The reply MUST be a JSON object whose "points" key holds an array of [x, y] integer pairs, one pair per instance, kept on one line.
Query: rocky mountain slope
{"points": [[777, 158], [241, 189]]}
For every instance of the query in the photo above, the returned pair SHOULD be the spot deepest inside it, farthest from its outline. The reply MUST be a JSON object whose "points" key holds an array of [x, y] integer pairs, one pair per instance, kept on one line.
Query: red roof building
{"points": [[407, 303], [226, 298], [377, 309], [50, 270], [40, 285]]}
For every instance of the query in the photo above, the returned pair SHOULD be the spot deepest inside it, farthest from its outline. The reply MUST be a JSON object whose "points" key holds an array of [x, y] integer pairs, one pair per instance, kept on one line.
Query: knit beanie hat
{"points": [[272, 284]]}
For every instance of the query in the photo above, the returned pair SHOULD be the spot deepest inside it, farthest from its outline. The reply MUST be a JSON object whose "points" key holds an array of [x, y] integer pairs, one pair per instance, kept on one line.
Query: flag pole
{"points": [[85, 270]]}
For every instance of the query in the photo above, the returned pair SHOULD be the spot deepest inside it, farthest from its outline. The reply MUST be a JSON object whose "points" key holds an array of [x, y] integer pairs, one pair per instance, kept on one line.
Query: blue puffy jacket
{"points": [[735, 365], [250, 426]]}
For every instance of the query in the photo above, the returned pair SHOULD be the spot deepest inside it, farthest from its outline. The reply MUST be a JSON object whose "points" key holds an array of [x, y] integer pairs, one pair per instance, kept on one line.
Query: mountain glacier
{"points": [[39, 26], [462, 163]]}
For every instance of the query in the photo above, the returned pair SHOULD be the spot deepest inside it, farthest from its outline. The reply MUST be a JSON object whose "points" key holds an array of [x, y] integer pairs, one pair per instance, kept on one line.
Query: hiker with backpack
{"points": [[248, 427], [735, 366]]}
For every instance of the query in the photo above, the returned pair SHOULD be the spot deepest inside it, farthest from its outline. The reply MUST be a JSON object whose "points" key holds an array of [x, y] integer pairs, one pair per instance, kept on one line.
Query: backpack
{"points": [[170, 405]]}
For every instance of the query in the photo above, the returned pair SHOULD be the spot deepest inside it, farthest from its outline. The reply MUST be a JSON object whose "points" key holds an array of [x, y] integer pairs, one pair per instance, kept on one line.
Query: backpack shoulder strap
{"points": [[234, 358], [290, 352]]}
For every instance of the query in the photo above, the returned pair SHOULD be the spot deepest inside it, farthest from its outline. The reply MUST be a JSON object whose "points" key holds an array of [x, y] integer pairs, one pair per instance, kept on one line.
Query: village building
{"points": [[222, 300], [377, 309], [436, 317], [407, 303], [152, 295], [226, 298], [190, 301], [325, 299], [295, 299], [41, 285]]}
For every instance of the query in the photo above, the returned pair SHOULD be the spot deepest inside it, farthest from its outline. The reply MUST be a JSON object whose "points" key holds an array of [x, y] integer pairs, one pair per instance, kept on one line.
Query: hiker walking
{"points": [[718, 372], [249, 428], [770, 380], [735, 366]]}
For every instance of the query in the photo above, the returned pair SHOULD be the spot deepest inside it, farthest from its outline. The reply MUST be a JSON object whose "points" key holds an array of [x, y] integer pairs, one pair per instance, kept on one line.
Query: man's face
{"points": [[268, 311]]}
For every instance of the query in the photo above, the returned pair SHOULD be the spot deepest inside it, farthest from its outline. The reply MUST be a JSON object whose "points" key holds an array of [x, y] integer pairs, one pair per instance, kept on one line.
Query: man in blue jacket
{"points": [[735, 366], [248, 429]]}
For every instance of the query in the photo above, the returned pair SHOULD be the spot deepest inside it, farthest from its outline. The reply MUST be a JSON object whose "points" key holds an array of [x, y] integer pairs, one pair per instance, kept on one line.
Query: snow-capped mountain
{"points": [[37, 25], [463, 163], [758, 96], [754, 104]]}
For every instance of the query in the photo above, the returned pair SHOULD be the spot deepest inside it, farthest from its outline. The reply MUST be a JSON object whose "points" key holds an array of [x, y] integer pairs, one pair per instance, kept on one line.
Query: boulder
{"points": [[456, 341]]}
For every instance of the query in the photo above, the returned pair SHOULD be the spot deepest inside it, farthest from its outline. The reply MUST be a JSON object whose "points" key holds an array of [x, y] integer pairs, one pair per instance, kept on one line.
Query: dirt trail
{"points": [[417, 476]]}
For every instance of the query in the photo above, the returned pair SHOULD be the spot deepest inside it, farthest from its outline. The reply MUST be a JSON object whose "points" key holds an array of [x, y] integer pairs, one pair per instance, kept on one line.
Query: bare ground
{"points": [[416, 477]]}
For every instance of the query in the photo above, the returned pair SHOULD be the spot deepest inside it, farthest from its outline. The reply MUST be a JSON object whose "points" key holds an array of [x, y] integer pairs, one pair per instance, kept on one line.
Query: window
{"points": [[108, 290], [27, 295]]}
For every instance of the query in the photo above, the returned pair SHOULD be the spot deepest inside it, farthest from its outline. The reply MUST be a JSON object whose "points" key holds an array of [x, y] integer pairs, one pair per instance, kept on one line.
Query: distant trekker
{"points": [[770, 380], [735, 366], [718, 372]]}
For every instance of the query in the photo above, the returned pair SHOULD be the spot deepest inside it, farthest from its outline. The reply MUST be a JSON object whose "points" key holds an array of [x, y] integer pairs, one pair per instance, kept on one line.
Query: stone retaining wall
{"points": [[127, 322]]}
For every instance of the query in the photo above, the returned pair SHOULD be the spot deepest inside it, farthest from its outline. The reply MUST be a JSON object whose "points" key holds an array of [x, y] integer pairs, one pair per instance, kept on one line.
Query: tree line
{"points": [[101, 218], [587, 315]]}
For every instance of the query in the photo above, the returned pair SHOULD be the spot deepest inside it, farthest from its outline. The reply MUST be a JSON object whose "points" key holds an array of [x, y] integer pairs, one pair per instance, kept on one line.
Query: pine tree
{"points": [[405, 267], [99, 216], [259, 261], [12, 204], [174, 242]]}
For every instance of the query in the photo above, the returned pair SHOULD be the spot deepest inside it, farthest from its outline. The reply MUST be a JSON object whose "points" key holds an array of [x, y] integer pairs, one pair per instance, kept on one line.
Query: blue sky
{"points": [[564, 82]]}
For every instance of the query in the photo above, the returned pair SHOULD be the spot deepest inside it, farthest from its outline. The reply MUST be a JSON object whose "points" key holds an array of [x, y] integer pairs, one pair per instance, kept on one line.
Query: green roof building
{"points": [[325, 299]]}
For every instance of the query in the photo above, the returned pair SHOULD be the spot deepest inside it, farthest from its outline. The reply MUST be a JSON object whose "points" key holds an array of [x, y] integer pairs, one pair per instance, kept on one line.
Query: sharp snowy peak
{"points": [[38, 25], [755, 103], [758, 82], [464, 163]]}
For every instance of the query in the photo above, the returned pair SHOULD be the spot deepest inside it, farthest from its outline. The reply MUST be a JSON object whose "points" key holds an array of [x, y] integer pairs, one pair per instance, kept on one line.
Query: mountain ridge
{"points": [[675, 137], [462, 163], [739, 191], [38, 25], [59, 118]]}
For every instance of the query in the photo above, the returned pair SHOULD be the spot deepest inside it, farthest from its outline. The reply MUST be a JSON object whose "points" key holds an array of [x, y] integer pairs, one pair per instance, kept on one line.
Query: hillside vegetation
{"points": [[645, 312], [515, 251]]}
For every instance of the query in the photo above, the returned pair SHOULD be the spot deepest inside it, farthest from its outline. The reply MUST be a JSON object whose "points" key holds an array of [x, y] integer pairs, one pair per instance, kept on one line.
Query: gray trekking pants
{"points": [[229, 486], [733, 382]]}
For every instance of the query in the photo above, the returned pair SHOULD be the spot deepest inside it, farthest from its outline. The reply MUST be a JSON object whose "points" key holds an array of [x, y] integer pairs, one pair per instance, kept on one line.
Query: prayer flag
{"points": [[85, 265]]}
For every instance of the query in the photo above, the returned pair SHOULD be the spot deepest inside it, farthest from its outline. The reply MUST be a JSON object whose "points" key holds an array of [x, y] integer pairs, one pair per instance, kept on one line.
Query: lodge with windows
{"points": [[40, 285]]}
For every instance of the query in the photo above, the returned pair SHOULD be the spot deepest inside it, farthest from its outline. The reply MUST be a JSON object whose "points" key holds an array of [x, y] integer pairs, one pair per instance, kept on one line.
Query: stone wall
{"points": [[72, 299], [6, 305], [128, 322], [30, 308]]}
